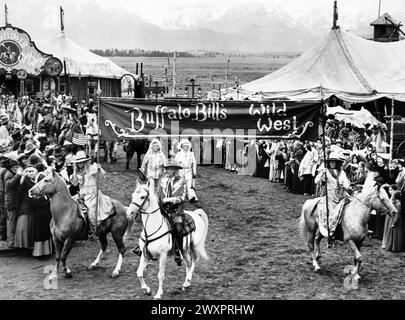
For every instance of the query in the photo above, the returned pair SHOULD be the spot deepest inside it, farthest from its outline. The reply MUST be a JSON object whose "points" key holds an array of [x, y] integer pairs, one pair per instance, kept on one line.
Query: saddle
{"points": [[188, 222], [82, 213], [335, 218]]}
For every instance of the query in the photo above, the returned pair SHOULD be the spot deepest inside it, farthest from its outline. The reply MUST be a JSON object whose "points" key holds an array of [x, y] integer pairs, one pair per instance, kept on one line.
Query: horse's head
{"points": [[381, 202], [139, 199], [47, 186]]}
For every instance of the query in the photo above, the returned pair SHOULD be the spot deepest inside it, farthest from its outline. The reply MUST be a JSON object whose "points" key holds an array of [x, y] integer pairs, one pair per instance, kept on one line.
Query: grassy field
{"points": [[206, 70]]}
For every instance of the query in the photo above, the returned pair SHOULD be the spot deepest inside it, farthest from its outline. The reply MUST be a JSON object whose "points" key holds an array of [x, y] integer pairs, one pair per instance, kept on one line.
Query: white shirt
{"points": [[187, 160]]}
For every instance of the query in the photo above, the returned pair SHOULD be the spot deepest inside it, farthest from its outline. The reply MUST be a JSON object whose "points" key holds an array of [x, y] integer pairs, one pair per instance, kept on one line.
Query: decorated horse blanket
{"points": [[188, 225], [188, 221]]}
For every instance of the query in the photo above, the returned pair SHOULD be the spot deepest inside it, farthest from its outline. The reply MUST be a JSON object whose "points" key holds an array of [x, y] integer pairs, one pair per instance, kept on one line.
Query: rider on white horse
{"points": [[337, 185], [172, 193]]}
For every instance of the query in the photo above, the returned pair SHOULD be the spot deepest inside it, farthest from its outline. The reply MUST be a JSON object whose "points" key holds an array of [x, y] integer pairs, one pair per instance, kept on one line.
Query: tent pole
{"points": [[323, 113], [98, 161], [392, 130]]}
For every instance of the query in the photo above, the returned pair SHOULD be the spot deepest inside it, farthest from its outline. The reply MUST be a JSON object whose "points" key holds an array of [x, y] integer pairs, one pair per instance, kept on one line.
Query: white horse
{"points": [[156, 233], [354, 222]]}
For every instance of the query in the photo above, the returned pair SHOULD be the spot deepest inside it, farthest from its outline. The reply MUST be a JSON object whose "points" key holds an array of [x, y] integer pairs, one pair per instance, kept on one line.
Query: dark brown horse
{"points": [[140, 146], [68, 224]]}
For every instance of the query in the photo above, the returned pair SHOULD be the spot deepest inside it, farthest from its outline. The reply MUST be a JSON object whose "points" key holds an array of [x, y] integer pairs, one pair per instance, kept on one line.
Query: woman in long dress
{"points": [[393, 239], [187, 161], [42, 215], [24, 231], [152, 164], [85, 176]]}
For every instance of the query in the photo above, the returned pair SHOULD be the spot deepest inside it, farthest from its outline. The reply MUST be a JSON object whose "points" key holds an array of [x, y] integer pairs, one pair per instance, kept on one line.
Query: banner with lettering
{"points": [[132, 118]]}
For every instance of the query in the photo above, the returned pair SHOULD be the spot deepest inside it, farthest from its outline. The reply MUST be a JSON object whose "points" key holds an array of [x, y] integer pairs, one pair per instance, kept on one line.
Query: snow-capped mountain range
{"points": [[252, 27]]}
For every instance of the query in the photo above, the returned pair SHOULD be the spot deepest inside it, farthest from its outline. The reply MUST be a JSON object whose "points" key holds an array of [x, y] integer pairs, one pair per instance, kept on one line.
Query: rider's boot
{"points": [[179, 244]]}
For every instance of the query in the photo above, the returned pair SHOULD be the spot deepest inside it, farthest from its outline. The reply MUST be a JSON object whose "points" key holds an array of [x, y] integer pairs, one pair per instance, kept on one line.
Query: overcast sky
{"points": [[153, 10], [159, 11]]}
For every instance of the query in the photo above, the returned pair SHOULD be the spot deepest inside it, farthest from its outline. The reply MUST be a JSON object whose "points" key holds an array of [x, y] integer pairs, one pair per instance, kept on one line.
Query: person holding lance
{"points": [[337, 185]]}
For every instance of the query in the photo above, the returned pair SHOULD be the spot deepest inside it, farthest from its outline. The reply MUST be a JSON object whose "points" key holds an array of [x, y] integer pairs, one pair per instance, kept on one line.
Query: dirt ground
{"points": [[254, 248]]}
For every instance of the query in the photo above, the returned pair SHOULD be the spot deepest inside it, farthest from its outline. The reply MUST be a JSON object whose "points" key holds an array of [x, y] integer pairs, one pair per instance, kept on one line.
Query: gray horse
{"points": [[354, 222]]}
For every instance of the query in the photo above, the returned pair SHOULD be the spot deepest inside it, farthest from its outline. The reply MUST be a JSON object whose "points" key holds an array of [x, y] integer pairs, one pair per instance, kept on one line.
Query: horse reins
{"points": [[141, 211], [369, 206]]}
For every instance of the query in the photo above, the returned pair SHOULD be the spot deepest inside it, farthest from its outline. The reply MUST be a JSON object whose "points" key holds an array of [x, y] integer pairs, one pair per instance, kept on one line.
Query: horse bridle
{"points": [[379, 198], [140, 206], [141, 211]]}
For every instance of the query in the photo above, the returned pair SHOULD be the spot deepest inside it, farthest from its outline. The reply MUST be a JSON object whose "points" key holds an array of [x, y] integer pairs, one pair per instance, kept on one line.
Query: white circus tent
{"points": [[342, 64]]}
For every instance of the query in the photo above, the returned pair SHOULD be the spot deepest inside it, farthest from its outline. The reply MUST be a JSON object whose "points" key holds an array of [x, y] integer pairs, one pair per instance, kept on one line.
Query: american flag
{"points": [[79, 139]]}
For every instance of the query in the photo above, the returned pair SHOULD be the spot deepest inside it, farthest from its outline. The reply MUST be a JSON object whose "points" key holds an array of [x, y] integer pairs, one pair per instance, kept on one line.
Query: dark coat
{"points": [[12, 195], [26, 203], [42, 219]]}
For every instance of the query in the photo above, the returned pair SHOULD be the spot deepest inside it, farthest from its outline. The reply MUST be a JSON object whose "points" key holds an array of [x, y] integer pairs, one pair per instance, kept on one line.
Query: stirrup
{"points": [[137, 251]]}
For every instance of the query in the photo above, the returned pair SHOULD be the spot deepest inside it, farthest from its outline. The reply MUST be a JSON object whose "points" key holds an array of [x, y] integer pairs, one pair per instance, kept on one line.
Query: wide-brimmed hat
{"points": [[81, 157], [33, 161], [10, 156], [334, 156], [172, 163], [9, 160], [4, 118], [346, 152], [185, 142], [29, 147], [338, 141], [58, 151]]}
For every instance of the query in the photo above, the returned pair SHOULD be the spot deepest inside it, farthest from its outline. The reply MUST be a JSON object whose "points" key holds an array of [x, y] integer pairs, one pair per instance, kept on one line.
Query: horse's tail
{"points": [[302, 224], [200, 248]]}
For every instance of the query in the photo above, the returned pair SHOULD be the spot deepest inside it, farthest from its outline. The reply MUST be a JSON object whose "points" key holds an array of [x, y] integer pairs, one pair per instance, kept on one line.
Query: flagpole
{"points": [[98, 159], [174, 75], [323, 113], [227, 74], [6, 14]]}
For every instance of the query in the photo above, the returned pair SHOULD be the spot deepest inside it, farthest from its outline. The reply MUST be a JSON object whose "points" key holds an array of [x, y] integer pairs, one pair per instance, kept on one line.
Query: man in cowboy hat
{"points": [[172, 196], [30, 149]]}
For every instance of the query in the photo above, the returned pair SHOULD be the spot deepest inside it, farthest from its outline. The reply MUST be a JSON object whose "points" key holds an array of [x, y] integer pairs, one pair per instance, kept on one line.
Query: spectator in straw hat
{"points": [[30, 149], [187, 161]]}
